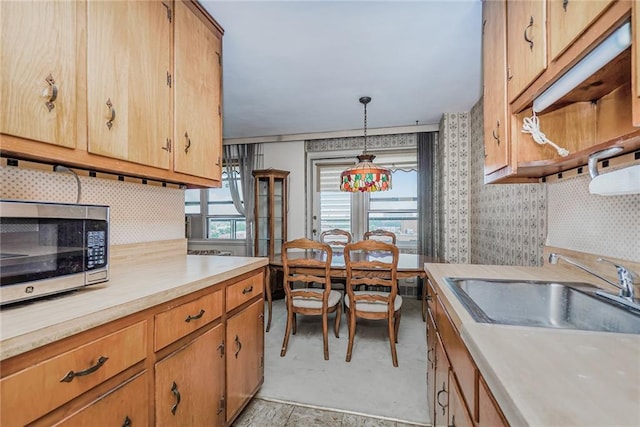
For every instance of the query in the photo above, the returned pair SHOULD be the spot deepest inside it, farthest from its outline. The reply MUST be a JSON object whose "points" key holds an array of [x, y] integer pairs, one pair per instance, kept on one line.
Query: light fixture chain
{"points": [[365, 128]]}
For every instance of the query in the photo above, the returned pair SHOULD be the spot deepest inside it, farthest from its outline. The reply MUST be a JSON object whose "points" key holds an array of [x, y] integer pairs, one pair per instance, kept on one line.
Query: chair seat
{"points": [[305, 302], [373, 307]]}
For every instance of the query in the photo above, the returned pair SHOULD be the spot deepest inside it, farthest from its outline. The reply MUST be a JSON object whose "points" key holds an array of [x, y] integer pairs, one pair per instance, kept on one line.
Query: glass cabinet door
{"points": [[270, 212]]}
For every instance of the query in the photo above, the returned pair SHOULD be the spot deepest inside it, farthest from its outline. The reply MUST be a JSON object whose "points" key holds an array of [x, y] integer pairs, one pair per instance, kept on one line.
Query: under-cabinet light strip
{"points": [[601, 55]]}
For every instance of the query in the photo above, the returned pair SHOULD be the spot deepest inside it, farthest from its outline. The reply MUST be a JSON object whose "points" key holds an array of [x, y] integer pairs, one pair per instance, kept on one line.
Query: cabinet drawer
{"points": [[32, 392], [129, 402], [180, 321], [431, 297], [459, 358], [244, 290]]}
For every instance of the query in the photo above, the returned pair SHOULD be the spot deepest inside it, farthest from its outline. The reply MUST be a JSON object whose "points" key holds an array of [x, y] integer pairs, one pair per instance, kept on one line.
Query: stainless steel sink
{"points": [[543, 304]]}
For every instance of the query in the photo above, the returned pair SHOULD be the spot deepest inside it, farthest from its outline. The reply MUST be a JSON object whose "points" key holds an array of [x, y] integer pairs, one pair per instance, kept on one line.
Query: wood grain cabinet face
{"points": [[245, 356], [489, 415], [180, 321], [431, 366], [458, 413], [526, 43], [70, 374], [494, 63], [198, 104], [189, 387], [38, 72], [568, 19], [635, 67], [127, 405], [244, 290], [128, 66], [442, 385]]}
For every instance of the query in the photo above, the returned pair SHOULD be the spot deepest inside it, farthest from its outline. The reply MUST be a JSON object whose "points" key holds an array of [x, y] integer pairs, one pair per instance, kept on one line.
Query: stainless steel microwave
{"points": [[47, 248]]}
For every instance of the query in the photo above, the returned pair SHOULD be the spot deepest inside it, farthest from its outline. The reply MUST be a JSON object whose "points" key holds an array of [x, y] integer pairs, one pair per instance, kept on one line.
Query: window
{"points": [[221, 219], [395, 210]]}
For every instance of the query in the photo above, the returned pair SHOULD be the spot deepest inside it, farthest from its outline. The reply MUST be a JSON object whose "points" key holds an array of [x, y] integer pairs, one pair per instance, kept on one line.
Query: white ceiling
{"points": [[300, 66]]}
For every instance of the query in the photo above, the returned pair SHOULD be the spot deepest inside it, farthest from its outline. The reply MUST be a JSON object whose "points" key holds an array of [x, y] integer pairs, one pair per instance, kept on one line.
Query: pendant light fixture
{"points": [[365, 176]]}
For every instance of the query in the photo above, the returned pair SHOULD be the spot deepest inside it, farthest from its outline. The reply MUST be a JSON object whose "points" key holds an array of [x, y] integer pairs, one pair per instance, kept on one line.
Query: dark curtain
{"points": [[426, 188]]}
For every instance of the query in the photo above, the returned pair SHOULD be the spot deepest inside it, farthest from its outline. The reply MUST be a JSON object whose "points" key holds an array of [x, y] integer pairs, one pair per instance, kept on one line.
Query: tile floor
{"points": [[263, 413]]}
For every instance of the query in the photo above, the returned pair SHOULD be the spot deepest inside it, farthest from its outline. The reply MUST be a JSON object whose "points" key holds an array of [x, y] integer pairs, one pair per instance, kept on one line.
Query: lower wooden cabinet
{"points": [[245, 356], [127, 405], [147, 368], [457, 394], [192, 396]]}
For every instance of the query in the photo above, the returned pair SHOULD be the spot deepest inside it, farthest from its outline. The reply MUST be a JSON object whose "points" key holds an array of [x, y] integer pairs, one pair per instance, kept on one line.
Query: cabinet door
{"points": [[245, 350], [494, 65], [431, 365], [568, 19], [38, 71], [526, 43], [129, 98], [198, 110], [190, 383], [128, 405], [489, 414], [635, 55], [458, 412], [442, 386]]}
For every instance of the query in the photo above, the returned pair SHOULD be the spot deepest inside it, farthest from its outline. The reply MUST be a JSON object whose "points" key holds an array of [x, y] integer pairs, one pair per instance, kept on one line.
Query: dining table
{"points": [[409, 265]]}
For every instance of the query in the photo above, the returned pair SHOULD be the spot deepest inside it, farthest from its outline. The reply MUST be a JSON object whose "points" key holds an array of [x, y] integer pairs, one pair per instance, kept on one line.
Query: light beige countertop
{"points": [[548, 377], [132, 287]]}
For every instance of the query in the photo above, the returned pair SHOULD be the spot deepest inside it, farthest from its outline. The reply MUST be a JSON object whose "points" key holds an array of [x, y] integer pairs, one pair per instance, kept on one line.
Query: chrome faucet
{"points": [[625, 276]]}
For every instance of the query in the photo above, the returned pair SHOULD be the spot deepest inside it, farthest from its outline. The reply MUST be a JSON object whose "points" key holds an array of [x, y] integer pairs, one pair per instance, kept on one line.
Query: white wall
{"points": [[290, 156]]}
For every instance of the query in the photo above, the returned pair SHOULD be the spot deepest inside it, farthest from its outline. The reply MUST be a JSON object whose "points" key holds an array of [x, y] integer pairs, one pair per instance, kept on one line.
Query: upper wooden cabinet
{"points": [[128, 72], [526, 43], [568, 19], [198, 104], [128, 87], [38, 72], [545, 40], [494, 67]]}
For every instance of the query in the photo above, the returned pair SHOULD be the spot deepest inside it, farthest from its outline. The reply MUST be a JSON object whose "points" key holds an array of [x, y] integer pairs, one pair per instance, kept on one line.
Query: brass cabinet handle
{"points": [[112, 112], [238, 345], [247, 290], [53, 93], [453, 421], [428, 297], [194, 317], [176, 394], [221, 348], [497, 129], [72, 374], [565, 3], [220, 406], [127, 421], [188, 144], [527, 39]]}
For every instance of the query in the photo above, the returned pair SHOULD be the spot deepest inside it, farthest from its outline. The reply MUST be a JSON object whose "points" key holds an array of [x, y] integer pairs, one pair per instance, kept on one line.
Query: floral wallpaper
{"points": [[357, 142], [508, 221], [453, 181]]}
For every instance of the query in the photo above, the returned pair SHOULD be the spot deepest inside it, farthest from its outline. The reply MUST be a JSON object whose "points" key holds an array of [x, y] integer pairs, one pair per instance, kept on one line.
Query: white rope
{"points": [[532, 125]]}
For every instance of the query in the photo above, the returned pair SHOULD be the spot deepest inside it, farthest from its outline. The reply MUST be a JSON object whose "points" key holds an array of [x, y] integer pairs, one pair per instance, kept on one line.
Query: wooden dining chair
{"points": [[382, 235], [336, 237], [374, 264], [309, 301]]}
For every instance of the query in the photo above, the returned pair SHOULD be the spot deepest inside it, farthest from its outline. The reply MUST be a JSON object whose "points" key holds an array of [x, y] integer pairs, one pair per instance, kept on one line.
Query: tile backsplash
{"points": [[139, 212]]}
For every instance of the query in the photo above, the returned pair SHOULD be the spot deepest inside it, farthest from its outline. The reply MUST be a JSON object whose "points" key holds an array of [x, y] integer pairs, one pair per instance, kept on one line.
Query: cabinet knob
{"points": [[72, 374], [188, 144], [526, 36], [112, 114], [52, 93], [176, 394]]}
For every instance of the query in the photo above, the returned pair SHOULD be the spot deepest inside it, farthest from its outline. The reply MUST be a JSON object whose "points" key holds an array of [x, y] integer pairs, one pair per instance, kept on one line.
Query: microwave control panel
{"points": [[96, 249]]}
